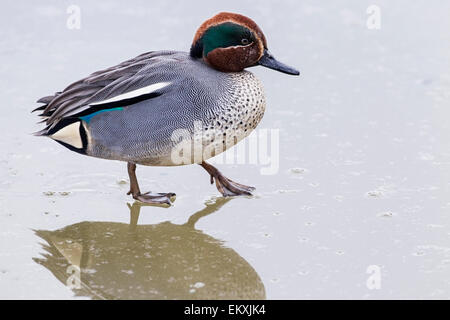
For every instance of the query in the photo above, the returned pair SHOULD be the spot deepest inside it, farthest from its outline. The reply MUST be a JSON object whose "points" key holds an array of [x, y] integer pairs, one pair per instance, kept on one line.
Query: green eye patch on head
{"points": [[226, 35]]}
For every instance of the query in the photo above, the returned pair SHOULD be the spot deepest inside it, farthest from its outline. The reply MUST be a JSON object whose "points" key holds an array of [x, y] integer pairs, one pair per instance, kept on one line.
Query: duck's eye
{"points": [[244, 41]]}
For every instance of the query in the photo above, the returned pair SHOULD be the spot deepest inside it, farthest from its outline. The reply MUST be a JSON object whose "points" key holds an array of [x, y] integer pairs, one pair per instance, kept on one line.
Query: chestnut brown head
{"points": [[231, 42]]}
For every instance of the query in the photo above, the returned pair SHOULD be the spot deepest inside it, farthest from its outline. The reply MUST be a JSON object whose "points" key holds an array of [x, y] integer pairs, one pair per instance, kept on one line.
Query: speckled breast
{"points": [[238, 112]]}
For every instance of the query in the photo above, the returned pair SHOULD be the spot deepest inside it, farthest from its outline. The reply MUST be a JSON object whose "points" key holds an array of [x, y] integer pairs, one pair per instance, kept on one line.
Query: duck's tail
{"points": [[70, 132]]}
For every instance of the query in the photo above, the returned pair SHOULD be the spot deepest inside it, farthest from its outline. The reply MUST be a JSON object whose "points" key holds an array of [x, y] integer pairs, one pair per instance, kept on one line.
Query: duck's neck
{"points": [[197, 49]]}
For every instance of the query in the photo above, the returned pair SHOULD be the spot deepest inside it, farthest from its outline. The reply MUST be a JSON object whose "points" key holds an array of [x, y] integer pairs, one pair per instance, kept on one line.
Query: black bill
{"points": [[269, 61]]}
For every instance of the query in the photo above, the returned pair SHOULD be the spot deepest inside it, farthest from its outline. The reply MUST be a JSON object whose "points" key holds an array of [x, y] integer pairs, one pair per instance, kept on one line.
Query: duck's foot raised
{"points": [[148, 197], [226, 187]]}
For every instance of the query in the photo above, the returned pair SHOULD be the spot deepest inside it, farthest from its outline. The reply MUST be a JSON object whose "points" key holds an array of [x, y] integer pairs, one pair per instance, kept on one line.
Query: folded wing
{"points": [[122, 85]]}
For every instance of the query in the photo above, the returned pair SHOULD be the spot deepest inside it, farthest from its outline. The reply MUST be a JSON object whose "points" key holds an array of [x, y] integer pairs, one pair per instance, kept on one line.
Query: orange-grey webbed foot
{"points": [[148, 197], [226, 187]]}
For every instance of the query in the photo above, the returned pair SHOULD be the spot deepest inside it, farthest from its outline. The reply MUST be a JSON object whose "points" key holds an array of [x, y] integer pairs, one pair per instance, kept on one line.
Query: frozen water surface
{"points": [[362, 188]]}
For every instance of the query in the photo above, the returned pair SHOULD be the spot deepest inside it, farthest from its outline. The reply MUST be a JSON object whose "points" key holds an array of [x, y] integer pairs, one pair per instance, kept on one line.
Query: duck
{"points": [[169, 108]]}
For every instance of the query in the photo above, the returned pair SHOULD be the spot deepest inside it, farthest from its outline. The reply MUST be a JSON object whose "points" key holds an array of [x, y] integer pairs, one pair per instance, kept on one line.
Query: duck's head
{"points": [[231, 42]]}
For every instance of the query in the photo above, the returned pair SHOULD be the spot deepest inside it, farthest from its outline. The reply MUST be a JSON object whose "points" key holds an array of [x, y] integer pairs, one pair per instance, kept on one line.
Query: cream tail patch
{"points": [[70, 135]]}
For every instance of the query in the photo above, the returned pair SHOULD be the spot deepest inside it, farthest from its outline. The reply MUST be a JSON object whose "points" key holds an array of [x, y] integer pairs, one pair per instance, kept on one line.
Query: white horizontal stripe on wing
{"points": [[135, 93]]}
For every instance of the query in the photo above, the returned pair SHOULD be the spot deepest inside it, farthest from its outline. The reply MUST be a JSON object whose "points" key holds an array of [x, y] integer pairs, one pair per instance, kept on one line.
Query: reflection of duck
{"points": [[162, 261]]}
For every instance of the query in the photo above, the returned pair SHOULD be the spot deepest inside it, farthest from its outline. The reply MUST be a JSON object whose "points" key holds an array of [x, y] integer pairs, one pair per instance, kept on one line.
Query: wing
{"points": [[129, 82]]}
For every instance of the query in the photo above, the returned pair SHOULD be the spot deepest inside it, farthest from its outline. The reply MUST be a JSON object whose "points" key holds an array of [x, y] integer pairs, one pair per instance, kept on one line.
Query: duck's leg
{"points": [[226, 186], [152, 198]]}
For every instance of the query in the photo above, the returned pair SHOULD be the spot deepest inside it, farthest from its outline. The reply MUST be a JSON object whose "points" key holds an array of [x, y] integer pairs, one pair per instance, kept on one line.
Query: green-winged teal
{"points": [[133, 111]]}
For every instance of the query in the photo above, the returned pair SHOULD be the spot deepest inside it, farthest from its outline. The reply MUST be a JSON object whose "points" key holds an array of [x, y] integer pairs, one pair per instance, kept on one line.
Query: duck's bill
{"points": [[269, 61]]}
